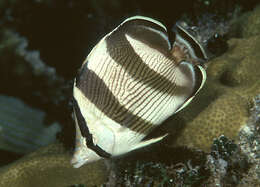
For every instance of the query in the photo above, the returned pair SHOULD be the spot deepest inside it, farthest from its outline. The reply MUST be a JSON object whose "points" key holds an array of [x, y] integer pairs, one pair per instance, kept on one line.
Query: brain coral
{"points": [[223, 104], [50, 166]]}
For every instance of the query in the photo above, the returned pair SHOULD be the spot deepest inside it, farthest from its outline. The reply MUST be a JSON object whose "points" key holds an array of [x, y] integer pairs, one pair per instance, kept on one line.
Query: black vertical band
{"points": [[86, 134]]}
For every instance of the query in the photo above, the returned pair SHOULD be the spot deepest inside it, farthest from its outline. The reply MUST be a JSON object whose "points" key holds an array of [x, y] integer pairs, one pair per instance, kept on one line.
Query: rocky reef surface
{"points": [[213, 142]]}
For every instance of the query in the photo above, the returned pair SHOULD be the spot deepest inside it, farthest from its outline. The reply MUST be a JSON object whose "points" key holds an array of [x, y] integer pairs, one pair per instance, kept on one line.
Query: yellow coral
{"points": [[51, 166], [233, 82], [223, 116], [252, 23]]}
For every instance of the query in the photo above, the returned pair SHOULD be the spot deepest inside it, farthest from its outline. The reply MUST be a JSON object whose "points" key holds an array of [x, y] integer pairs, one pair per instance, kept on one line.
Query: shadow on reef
{"points": [[164, 166], [161, 166]]}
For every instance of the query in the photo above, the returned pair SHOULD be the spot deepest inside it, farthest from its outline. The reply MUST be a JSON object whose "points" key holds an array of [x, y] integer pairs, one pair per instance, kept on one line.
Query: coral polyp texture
{"points": [[225, 115], [50, 166], [223, 105]]}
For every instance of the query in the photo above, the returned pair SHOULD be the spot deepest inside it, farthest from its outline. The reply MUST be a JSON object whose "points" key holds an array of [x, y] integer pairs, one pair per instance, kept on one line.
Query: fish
{"points": [[130, 83]]}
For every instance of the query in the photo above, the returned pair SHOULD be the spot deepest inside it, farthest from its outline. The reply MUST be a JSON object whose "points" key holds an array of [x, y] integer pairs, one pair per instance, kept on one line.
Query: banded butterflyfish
{"points": [[130, 83]]}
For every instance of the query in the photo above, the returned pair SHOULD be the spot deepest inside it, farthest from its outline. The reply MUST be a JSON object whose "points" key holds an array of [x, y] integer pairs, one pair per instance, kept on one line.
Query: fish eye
{"points": [[217, 44]]}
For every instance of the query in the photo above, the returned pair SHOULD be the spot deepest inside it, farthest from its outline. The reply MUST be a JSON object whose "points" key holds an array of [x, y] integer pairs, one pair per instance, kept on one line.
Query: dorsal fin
{"points": [[145, 19], [147, 30]]}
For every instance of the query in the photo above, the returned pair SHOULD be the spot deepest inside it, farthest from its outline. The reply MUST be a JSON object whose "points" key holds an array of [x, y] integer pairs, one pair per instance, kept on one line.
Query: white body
{"points": [[128, 94]]}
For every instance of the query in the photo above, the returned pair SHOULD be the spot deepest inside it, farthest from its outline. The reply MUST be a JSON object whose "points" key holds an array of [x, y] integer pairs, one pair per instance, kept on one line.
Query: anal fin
{"points": [[147, 142]]}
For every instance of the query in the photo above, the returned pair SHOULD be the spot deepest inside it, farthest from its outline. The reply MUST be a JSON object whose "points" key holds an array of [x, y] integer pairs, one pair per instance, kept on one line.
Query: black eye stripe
{"points": [[197, 49], [85, 132]]}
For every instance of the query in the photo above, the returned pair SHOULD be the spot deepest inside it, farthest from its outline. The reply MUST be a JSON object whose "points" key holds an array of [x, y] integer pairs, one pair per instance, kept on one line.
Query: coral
{"points": [[22, 129], [249, 141], [247, 25], [160, 167], [222, 106], [226, 163], [25, 75], [51, 166], [228, 108], [25, 69], [252, 24], [159, 174]]}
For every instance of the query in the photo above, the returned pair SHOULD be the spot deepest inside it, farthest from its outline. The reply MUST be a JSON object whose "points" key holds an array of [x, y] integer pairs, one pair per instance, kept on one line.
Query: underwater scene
{"points": [[129, 93]]}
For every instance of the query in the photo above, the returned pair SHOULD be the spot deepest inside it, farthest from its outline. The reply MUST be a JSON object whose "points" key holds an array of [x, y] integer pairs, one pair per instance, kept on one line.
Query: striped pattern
{"points": [[131, 77]]}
